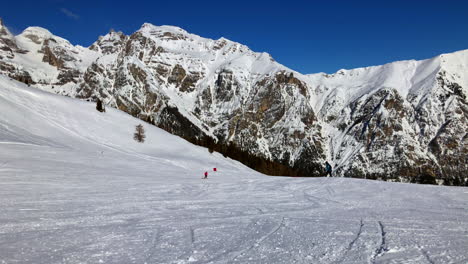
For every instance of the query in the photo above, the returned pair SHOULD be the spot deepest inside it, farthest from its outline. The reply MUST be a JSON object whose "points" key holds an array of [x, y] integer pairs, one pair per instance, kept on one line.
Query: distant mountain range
{"points": [[403, 121]]}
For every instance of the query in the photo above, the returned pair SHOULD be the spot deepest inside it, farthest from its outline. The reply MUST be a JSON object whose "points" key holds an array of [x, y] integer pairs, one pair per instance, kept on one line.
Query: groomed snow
{"points": [[76, 188]]}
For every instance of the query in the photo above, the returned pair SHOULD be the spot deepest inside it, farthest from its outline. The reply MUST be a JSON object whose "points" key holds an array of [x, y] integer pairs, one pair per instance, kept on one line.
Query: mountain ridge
{"points": [[404, 118]]}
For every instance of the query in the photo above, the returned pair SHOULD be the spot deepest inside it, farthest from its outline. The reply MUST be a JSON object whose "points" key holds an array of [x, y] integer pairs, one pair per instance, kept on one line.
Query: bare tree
{"points": [[139, 134]]}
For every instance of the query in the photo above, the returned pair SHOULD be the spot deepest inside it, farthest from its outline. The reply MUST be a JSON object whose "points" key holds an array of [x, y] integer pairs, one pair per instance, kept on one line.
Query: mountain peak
{"points": [[169, 28], [113, 34], [37, 31], [37, 34], [110, 42], [166, 32], [4, 30], [7, 43]]}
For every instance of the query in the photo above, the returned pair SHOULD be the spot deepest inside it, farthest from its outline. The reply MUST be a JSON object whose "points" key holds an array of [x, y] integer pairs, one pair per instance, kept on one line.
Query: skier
{"points": [[206, 175], [214, 169], [328, 169]]}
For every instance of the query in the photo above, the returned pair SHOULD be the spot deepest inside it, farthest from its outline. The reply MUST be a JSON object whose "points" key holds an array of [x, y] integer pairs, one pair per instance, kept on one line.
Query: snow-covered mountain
{"points": [[409, 118], [405, 118]]}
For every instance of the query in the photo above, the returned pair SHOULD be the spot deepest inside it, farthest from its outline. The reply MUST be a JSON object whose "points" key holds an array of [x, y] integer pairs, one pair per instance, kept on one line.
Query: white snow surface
{"points": [[76, 188]]}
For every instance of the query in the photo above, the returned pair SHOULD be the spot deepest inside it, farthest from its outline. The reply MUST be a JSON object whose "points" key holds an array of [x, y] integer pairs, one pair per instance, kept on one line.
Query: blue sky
{"points": [[307, 36]]}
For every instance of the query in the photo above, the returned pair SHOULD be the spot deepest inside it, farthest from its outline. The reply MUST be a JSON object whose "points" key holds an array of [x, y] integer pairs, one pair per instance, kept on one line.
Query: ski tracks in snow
{"points": [[424, 253], [260, 241], [426, 256], [383, 243], [310, 194], [351, 244], [151, 249], [192, 235]]}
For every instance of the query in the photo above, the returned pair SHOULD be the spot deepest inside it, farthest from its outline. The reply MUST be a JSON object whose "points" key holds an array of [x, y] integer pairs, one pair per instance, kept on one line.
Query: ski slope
{"points": [[76, 188]]}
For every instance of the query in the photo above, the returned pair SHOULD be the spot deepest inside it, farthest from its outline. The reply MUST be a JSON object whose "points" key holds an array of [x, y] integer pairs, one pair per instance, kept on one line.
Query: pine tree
{"points": [[139, 134], [99, 106]]}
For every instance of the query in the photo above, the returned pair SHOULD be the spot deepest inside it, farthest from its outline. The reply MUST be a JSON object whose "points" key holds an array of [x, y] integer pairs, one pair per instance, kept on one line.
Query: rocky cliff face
{"points": [[404, 121]]}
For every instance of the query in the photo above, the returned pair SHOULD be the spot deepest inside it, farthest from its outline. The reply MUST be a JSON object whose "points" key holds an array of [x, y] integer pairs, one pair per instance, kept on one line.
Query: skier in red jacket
{"points": [[206, 175]]}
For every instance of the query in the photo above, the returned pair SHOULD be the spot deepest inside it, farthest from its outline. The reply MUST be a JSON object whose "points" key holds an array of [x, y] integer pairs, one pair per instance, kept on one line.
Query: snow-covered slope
{"points": [[403, 121], [40, 121], [76, 188]]}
